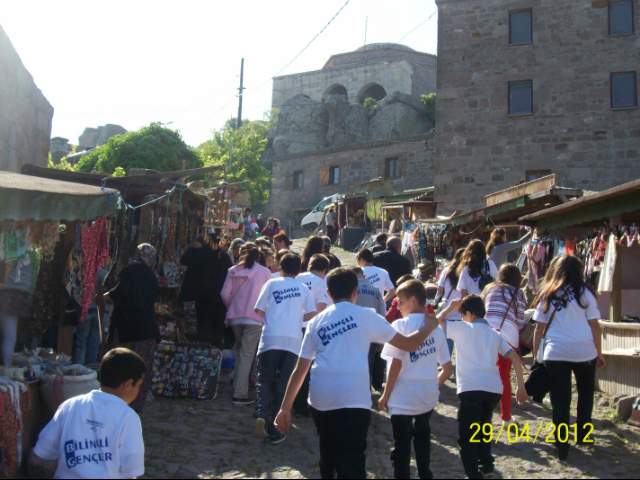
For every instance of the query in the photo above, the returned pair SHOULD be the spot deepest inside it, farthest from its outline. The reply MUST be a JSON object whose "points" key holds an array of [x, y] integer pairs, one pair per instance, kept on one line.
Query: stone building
{"points": [[371, 71], [532, 87], [25, 113]]}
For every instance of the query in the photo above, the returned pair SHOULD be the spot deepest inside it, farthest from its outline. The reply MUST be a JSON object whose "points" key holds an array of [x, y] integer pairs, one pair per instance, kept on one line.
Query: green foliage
{"points": [[374, 208], [63, 165], [119, 172], [153, 147], [429, 101], [371, 103], [248, 144]]}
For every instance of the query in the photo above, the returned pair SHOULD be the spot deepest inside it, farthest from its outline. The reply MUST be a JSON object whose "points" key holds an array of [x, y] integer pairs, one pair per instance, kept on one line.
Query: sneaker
{"points": [[512, 421], [260, 430], [243, 401], [276, 438], [488, 472]]}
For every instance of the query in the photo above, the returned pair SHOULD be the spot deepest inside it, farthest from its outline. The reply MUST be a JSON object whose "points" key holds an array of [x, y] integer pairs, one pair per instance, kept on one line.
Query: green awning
{"points": [[23, 197]]}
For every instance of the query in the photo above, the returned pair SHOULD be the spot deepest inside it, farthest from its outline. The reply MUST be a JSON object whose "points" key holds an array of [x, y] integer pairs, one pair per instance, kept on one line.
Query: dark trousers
{"points": [[405, 429], [301, 403], [343, 442], [560, 394], [475, 407], [274, 371], [211, 316], [377, 366]]}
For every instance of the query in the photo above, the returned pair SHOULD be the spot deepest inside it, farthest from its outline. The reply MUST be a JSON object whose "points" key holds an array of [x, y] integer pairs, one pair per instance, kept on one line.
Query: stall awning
{"points": [[417, 194], [24, 197]]}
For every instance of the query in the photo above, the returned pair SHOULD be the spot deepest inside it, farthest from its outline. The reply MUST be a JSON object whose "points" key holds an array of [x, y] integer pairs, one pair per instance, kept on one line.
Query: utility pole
{"points": [[241, 90]]}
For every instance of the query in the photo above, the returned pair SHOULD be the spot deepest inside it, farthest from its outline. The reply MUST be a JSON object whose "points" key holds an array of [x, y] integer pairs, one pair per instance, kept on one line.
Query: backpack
{"points": [[485, 276]]}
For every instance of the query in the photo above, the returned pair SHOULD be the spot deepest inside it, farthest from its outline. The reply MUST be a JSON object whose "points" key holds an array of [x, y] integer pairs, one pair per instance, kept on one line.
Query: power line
{"points": [[432, 15]]}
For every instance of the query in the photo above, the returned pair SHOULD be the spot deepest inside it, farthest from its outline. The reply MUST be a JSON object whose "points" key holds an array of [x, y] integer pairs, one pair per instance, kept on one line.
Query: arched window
{"points": [[337, 89], [373, 90]]}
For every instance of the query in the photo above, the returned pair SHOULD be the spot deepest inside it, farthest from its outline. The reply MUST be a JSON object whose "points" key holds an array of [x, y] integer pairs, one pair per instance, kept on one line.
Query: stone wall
{"points": [[25, 113], [358, 164], [573, 130]]}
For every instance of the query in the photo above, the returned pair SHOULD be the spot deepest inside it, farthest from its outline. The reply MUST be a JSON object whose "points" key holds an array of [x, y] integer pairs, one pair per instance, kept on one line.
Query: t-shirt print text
{"points": [[423, 350], [375, 278], [336, 329], [84, 452], [569, 297], [287, 293]]}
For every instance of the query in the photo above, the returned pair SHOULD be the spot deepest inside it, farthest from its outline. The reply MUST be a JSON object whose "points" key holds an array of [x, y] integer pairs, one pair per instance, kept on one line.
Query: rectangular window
{"points": [[298, 180], [392, 169], [623, 90], [334, 175], [521, 98], [536, 174], [621, 17], [520, 27]]}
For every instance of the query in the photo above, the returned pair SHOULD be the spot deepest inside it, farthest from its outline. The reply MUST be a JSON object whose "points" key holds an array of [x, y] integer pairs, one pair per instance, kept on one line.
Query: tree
{"points": [[371, 103], [244, 148], [429, 101], [153, 147]]}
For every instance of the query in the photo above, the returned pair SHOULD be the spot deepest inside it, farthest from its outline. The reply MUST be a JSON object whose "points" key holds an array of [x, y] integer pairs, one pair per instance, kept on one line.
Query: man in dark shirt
{"points": [[392, 261], [381, 243]]}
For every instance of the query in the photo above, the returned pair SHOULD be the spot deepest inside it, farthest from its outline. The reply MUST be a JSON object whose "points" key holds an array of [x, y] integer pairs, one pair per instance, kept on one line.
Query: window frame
{"points": [[387, 168], [296, 175], [515, 12], [332, 175], [509, 84], [633, 18], [635, 89]]}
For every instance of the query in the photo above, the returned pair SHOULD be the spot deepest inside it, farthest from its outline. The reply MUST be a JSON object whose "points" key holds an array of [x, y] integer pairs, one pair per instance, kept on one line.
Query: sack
{"points": [[485, 276], [60, 383]]}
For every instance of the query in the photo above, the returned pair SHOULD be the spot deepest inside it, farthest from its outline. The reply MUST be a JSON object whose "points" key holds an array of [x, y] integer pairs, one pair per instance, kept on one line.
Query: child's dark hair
{"points": [[319, 263], [365, 255], [290, 264], [404, 278], [413, 288], [474, 305], [341, 283], [119, 366], [358, 271], [382, 238]]}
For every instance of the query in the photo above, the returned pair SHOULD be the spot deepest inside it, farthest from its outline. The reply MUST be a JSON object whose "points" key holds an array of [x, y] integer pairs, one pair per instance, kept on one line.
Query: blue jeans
{"points": [[87, 339]]}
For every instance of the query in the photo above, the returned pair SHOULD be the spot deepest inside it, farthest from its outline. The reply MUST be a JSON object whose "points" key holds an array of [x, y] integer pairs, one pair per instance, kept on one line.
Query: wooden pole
{"points": [[615, 313]]}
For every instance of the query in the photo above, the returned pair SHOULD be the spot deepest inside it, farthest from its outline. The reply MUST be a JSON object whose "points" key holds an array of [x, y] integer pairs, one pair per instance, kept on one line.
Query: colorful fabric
{"points": [[145, 254], [73, 277], [96, 257], [14, 244], [146, 350], [12, 429], [46, 299]]}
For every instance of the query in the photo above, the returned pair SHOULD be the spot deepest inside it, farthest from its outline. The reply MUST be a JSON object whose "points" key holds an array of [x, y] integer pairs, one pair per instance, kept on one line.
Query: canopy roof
{"points": [[23, 197]]}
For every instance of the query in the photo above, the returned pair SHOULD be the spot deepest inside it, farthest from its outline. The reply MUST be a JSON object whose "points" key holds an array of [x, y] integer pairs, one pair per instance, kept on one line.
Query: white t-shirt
{"points": [[450, 292], [379, 277], [477, 349], [338, 339], [470, 284], [317, 286], [275, 275], [570, 338], [95, 435], [416, 391], [285, 302]]}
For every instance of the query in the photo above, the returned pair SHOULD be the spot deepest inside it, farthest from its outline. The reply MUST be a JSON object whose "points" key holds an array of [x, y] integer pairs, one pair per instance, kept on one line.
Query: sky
{"points": [[135, 62]]}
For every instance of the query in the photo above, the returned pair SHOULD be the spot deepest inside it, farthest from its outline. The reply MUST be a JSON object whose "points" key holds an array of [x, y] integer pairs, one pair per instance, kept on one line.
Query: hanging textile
{"points": [[605, 283], [14, 244], [46, 299], [96, 257], [74, 274], [15, 401]]}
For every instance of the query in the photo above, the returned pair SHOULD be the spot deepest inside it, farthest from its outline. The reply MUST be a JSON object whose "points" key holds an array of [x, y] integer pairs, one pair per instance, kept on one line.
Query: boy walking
{"points": [[315, 281], [285, 304], [377, 276], [338, 340], [98, 435], [479, 384], [413, 384]]}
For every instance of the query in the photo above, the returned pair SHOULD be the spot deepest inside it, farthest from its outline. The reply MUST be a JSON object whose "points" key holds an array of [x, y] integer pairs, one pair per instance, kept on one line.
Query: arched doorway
{"points": [[337, 89], [373, 90]]}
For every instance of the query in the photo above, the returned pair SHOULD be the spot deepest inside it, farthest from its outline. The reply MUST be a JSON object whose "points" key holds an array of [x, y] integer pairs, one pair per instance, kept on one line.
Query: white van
{"points": [[313, 218]]}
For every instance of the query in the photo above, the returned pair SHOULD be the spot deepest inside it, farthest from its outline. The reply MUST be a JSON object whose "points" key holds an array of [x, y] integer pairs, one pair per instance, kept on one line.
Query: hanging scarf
{"points": [[96, 257]]}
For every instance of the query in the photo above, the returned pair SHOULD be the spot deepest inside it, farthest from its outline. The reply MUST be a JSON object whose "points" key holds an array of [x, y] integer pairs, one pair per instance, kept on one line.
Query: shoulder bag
{"points": [[506, 313], [485, 276], [443, 304]]}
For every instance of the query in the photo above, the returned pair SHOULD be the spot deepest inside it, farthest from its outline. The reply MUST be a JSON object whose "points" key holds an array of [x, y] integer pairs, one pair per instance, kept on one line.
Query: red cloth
{"points": [[504, 366], [394, 314], [96, 257]]}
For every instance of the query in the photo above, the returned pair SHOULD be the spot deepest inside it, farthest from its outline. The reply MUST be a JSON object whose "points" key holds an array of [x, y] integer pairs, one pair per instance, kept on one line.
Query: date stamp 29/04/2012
{"points": [[562, 433]]}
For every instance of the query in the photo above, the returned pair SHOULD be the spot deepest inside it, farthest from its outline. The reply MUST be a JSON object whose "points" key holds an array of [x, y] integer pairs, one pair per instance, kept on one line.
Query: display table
{"points": [[622, 373]]}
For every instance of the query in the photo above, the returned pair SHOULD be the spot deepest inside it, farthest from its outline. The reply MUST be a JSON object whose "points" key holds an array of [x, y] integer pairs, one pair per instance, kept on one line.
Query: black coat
{"points": [[394, 263], [378, 248], [134, 297], [206, 272]]}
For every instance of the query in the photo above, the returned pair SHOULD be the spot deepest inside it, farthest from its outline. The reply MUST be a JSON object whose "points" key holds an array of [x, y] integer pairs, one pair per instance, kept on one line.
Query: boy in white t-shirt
{"points": [[377, 276], [286, 304], [315, 281], [413, 384], [479, 385], [337, 343], [98, 435]]}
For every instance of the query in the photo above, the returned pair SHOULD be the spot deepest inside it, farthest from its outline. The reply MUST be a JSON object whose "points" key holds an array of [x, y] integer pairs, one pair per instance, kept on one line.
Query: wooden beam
{"points": [[615, 313]]}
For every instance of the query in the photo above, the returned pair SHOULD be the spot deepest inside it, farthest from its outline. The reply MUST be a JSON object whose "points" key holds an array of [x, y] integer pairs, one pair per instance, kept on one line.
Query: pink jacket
{"points": [[242, 289]]}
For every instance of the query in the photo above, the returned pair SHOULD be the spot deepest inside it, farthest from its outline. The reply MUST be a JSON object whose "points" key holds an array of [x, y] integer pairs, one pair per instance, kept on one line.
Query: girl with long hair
{"points": [[475, 270], [505, 305], [272, 229], [315, 245], [240, 293], [498, 248], [448, 289], [567, 310]]}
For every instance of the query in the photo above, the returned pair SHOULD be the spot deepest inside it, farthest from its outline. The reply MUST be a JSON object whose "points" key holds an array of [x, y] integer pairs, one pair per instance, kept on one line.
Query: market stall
{"points": [[602, 230]]}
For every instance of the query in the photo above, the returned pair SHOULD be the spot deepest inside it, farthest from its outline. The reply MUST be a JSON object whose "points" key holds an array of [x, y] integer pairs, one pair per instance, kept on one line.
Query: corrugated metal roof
{"points": [[23, 197]]}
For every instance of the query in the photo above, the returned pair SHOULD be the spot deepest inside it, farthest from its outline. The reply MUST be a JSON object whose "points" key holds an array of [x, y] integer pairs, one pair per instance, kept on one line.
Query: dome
{"points": [[380, 46]]}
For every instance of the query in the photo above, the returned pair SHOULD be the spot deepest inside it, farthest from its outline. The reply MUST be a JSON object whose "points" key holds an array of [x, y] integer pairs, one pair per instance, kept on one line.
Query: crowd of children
{"points": [[319, 329]]}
